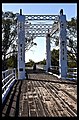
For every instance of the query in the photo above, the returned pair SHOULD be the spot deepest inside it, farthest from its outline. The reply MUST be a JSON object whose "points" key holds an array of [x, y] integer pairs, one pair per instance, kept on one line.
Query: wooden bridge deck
{"points": [[42, 95]]}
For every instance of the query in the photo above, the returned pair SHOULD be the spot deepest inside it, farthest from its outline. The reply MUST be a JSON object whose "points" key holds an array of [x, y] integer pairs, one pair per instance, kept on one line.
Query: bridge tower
{"points": [[48, 52], [62, 45], [21, 46]]}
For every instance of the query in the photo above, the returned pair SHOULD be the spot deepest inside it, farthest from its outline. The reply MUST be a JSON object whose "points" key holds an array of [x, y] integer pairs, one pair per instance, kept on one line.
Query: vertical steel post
{"points": [[21, 46], [14, 71], [48, 52], [62, 46]]}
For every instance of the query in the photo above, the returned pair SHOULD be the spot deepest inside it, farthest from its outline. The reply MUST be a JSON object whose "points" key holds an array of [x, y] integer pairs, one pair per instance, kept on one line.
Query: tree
{"points": [[71, 38], [5, 43], [30, 63], [9, 36], [55, 57], [43, 62], [11, 62]]}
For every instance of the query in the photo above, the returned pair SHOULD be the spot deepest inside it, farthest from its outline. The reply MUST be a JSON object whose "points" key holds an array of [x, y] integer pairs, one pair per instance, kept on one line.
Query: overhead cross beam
{"points": [[39, 30], [41, 17]]}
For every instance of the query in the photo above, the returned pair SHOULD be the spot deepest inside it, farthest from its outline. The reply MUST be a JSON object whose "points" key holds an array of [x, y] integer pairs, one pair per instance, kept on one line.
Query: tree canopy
{"points": [[71, 38], [9, 37]]}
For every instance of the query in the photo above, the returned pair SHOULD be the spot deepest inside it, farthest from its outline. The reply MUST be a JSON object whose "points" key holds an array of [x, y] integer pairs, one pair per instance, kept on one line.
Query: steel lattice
{"points": [[41, 17], [40, 30], [37, 30]]}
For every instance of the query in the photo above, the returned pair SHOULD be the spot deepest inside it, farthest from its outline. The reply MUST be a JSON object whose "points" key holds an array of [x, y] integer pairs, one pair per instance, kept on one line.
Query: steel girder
{"points": [[37, 30], [40, 30], [41, 17]]}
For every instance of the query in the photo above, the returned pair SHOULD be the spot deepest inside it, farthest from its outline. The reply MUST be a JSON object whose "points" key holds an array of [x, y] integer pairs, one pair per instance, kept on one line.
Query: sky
{"points": [[38, 53]]}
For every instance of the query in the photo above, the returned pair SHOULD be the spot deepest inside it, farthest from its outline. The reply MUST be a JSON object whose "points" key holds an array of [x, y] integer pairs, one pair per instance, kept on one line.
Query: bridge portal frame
{"points": [[62, 41]]}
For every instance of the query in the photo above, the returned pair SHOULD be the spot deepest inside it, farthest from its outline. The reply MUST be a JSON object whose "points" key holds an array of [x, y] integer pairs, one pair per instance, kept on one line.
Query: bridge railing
{"points": [[72, 74], [8, 79], [55, 69], [52, 68], [40, 66]]}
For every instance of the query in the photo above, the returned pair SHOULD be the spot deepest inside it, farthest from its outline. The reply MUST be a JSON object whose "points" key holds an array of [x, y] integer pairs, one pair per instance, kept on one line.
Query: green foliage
{"points": [[5, 41], [71, 37], [30, 63], [12, 62], [8, 30], [55, 57], [72, 23], [72, 64], [71, 61], [8, 34], [42, 62]]}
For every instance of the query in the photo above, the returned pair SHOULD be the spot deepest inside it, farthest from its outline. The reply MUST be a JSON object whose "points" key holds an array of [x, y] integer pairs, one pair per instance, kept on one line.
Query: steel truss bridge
{"points": [[32, 26], [37, 95]]}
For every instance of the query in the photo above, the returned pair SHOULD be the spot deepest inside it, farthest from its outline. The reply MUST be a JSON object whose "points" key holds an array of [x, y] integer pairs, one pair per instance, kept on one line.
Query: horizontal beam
{"points": [[7, 77], [7, 90], [71, 78], [36, 35], [41, 17], [8, 82], [40, 30], [37, 28], [34, 26], [72, 68]]}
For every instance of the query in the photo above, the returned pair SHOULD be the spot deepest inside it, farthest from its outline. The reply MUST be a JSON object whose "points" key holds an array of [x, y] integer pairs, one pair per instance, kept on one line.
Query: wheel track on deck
{"points": [[53, 112], [64, 104], [40, 106], [40, 95], [68, 95]]}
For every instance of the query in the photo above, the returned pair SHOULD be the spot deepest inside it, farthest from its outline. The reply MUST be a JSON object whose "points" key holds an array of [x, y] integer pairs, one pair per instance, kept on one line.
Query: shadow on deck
{"points": [[11, 104]]}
